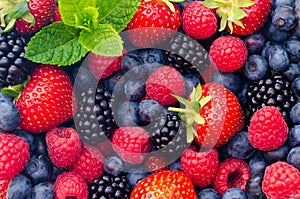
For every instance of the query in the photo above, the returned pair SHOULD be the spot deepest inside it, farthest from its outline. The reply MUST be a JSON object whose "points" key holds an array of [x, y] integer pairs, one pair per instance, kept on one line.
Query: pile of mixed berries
{"points": [[202, 103]]}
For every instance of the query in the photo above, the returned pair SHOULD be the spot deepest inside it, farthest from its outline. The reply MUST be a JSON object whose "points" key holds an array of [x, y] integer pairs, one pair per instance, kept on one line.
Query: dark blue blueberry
{"points": [[38, 169], [175, 166], [43, 191], [134, 89], [239, 146], [28, 137], [231, 81], [276, 3], [116, 78], [254, 187], [191, 81], [255, 42], [19, 188], [278, 59], [55, 172], [295, 113], [222, 150], [83, 79], [294, 136], [297, 12], [296, 86], [293, 48], [257, 163], [41, 146], [9, 117], [276, 155], [135, 174], [4, 97], [208, 193], [291, 72], [273, 33], [132, 66], [152, 56], [242, 94], [113, 165], [284, 18], [235, 193], [293, 157], [256, 67], [149, 110], [126, 114]]}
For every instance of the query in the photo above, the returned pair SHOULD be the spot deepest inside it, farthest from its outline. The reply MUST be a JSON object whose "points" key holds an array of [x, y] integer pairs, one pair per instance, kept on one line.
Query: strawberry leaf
{"points": [[244, 3], [55, 44], [210, 4], [88, 19], [103, 41], [19, 10]]}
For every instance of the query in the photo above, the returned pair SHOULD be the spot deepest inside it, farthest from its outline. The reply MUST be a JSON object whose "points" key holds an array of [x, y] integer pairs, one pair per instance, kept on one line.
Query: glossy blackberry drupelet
{"points": [[14, 68], [108, 186], [94, 119], [275, 91]]}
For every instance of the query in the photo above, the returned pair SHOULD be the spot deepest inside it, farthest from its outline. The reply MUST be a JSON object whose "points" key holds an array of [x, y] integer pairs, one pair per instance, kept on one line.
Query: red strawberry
{"points": [[131, 143], [241, 18], [63, 146], [89, 164], [201, 167], [198, 21], [232, 173], [166, 184], [164, 82], [153, 22], [155, 163], [46, 100], [281, 181], [268, 129], [228, 53], [70, 185], [3, 188], [29, 16], [14, 155]]}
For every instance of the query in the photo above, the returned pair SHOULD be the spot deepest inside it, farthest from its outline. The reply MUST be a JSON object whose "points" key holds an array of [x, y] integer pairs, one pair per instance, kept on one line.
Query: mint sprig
{"points": [[92, 25]]}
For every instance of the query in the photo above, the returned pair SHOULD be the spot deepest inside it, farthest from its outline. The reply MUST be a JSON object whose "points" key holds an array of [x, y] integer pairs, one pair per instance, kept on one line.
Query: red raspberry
{"points": [[105, 148], [89, 164], [3, 188], [155, 163], [163, 82], [70, 185], [64, 146], [201, 167], [130, 143], [14, 155], [198, 21], [228, 53], [232, 173], [268, 129], [281, 181]]}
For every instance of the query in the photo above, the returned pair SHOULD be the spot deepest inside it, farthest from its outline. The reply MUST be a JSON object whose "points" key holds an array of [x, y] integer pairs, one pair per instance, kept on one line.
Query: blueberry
{"points": [[293, 48], [284, 18], [276, 3], [242, 94], [41, 146], [28, 137], [19, 188], [256, 67], [9, 117], [254, 187], [278, 59], [149, 110], [83, 79], [133, 66], [279, 154], [257, 164], [38, 169], [236, 193], [152, 56], [116, 78], [43, 191], [273, 33], [208, 193], [291, 72], [191, 81], [135, 174], [231, 81], [134, 89], [293, 157], [4, 97], [113, 165], [126, 114], [255, 42], [294, 136], [295, 112], [175, 166], [239, 146], [55, 172]]}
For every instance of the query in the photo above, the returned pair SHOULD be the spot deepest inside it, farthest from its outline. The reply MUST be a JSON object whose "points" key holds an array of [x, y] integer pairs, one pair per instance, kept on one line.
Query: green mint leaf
{"points": [[118, 13], [88, 19], [55, 44], [70, 8], [103, 41]]}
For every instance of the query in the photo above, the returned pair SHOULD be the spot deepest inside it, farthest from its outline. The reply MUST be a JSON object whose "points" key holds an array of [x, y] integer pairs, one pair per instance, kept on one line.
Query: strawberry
{"points": [[28, 16], [212, 114], [241, 17], [46, 100], [165, 184], [154, 22]]}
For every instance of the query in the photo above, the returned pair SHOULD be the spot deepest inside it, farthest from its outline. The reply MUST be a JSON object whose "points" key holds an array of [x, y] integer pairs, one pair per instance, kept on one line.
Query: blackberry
{"points": [[271, 91], [109, 186], [94, 119], [14, 68]]}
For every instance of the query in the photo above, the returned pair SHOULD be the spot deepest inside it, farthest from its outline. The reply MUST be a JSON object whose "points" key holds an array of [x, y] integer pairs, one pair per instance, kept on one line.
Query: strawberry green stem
{"points": [[225, 3]]}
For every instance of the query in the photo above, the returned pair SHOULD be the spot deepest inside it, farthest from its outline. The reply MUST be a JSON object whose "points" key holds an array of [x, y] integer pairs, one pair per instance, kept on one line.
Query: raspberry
{"points": [[232, 173], [228, 53], [201, 167], [155, 163], [130, 143], [268, 129], [14, 155], [63, 145], [89, 164], [3, 188], [281, 181], [70, 185], [164, 82]]}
